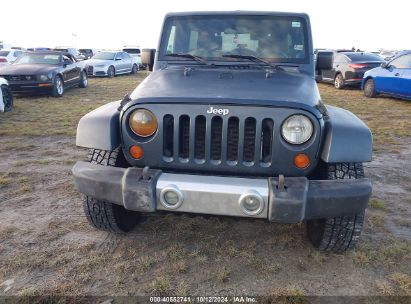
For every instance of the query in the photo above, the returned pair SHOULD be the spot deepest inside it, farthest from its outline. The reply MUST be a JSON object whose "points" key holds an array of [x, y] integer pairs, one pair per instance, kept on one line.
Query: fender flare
{"points": [[347, 138], [100, 129]]}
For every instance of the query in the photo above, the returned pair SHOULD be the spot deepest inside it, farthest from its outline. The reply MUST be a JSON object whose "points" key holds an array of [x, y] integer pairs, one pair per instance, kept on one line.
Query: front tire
{"points": [[111, 72], [341, 233], [58, 87], [339, 81], [7, 98], [369, 88], [104, 215]]}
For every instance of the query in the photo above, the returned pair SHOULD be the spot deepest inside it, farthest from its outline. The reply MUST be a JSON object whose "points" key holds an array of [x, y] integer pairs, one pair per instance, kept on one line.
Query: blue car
{"points": [[391, 78]]}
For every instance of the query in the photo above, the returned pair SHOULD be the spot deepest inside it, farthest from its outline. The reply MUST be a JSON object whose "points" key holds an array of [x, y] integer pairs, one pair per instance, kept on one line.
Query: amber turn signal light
{"points": [[301, 161], [136, 152]]}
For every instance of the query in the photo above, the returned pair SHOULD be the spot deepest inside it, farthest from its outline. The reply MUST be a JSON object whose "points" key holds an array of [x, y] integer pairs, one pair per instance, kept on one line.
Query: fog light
{"points": [[171, 197], [251, 203]]}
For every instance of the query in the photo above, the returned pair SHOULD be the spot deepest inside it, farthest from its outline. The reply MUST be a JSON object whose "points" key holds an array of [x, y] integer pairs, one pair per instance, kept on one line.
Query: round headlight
{"points": [[297, 129], [143, 123], [43, 77]]}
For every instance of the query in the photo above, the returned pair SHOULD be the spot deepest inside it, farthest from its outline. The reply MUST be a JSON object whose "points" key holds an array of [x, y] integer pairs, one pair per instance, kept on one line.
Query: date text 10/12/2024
{"points": [[204, 299]]}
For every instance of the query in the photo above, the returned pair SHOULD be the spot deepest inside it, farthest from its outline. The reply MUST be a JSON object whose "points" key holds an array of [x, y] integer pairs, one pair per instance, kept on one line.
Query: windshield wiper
{"points": [[255, 59], [191, 56]]}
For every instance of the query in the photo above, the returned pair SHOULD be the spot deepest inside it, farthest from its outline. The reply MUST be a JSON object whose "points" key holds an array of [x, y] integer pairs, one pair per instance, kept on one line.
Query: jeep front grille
{"points": [[217, 140]]}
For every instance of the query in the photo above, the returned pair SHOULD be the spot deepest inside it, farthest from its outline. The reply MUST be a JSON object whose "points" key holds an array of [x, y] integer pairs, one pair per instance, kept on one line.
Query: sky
{"points": [[365, 24]]}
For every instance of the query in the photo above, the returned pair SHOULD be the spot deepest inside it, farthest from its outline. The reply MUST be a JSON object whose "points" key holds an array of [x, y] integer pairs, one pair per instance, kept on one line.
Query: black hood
{"points": [[228, 86], [27, 69]]}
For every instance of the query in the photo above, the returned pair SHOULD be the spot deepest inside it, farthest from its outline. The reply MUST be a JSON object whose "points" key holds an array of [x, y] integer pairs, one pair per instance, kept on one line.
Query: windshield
{"points": [[4, 53], [132, 51], [39, 59], [363, 57], [274, 38], [105, 56]]}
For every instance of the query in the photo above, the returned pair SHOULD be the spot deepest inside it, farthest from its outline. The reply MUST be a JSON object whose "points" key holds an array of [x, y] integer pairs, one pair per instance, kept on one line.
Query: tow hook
{"points": [[144, 173], [281, 183]]}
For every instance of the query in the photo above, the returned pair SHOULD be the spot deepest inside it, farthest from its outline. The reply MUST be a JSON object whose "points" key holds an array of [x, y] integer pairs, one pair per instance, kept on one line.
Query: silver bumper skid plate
{"points": [[287, 200]]}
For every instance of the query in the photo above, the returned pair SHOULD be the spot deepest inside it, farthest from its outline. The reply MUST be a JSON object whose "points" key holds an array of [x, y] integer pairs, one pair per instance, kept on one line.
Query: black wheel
{"points": [[134, 70], [339, 82], [104, 215], [341, 233], [111, 72], [369, 88], [7, 98], [58, 88], [83, 80]]}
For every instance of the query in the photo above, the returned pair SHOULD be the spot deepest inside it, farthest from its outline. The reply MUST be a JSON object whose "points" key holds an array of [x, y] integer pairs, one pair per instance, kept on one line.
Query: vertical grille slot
{"points": [[249, 139], [216, 137], [232, 139], [266, 140], [184, 136], [168, 130], [200, 135]]}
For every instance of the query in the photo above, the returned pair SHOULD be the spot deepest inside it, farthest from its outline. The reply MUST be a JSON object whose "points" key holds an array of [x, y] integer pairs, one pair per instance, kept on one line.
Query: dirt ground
{"points": [[48, 248]]}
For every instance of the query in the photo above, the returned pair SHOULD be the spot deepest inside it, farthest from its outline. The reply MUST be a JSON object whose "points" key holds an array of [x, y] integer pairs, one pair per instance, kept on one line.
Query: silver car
{"points": [[111, 64]]}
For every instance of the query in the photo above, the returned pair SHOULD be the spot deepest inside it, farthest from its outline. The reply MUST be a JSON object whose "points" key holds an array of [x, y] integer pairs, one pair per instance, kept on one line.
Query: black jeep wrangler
{"points": [[229, 123]]}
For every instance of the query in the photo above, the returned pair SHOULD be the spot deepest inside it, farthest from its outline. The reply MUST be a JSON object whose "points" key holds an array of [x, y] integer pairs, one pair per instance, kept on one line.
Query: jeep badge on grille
{"points": [[223, 112]]}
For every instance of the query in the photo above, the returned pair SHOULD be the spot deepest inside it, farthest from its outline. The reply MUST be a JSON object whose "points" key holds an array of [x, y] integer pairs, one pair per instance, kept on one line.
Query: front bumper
{"points": [[30, 87], [294, 200], [97, 71]]}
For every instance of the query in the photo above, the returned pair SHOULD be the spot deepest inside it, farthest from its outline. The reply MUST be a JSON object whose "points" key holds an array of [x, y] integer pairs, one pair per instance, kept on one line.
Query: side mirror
{"points": [[384, 65], [66, 63], [147, 58]]}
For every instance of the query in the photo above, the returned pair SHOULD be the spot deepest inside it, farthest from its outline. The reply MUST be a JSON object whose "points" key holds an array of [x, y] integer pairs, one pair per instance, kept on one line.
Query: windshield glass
{"points": [[105, 56], [39, 59], [274, 38], [363, 57], [132, 51], [4, 53]]}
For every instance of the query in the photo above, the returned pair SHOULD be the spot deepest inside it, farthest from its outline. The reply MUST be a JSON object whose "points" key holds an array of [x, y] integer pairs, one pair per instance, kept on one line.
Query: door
{"points": [[405, 80], [389, 80], [119, 63], [328, 75], [128, 61], [71, 72]]}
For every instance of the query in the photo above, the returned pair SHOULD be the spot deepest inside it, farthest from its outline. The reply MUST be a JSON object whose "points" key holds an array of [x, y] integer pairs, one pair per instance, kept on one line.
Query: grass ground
{"points": [[47, 247]]}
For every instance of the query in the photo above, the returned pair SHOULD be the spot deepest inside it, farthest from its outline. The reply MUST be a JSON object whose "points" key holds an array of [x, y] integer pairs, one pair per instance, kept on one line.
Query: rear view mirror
{"points": [[384, 65]]}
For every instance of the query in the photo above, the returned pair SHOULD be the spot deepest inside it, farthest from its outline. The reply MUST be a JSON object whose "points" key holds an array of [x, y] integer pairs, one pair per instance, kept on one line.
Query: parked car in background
{"points": [[70, 50], [48, 72], [133, 51], [347, 68], [6, 97], [391, 78], [38, 49], [111, 63], [85, 54], [8, 56]]}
